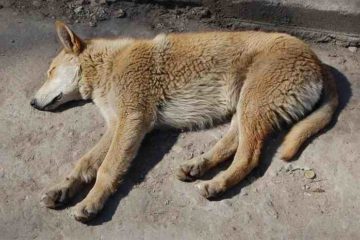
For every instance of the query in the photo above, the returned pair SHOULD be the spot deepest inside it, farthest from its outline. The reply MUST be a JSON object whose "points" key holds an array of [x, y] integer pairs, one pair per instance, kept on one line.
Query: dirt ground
{"points": [[275, 202]]}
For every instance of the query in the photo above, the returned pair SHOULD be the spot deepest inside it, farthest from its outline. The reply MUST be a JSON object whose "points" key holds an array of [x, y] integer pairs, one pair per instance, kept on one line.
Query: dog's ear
{"points": [[68, 38]]}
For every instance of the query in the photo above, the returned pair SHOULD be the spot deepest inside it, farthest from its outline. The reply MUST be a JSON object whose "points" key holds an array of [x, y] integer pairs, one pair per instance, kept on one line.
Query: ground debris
{"points": [[352, 49], [318, 190], [309, 174], [291, 168], [36, 3], [120, 13], [78, 9]]}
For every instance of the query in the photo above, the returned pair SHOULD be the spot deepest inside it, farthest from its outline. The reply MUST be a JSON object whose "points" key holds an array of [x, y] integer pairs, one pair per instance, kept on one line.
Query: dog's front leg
{"points": [[130, 131], [83, 172]]}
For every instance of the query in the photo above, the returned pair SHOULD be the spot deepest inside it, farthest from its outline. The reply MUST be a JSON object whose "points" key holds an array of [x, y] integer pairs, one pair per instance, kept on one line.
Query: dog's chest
{"points": [[200, 103]]}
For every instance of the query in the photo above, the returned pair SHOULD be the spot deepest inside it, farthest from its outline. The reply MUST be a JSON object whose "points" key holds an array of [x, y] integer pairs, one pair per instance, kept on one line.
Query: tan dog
{"points": [[186, 80]]}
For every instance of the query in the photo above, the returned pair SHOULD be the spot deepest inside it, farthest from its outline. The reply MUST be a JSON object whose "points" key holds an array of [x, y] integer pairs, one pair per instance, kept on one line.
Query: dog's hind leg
{"points": [[83, 172], [275, 91], [223, 150], [251, 140]]}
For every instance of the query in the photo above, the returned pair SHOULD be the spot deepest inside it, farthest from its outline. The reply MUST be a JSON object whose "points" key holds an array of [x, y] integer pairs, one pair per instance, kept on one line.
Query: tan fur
{"points": [[192, 80]]}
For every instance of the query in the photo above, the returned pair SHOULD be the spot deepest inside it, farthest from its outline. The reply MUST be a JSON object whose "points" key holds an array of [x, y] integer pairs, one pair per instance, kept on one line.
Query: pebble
{"points": [[36, 3], [92, 24], [120, 13], [78, 9], [352, 49], [309, 174], [205, 13], [80, 2]]}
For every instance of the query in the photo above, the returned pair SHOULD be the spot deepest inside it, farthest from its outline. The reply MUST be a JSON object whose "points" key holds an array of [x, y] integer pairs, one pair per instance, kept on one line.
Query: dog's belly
{"points": [[200, 103]]}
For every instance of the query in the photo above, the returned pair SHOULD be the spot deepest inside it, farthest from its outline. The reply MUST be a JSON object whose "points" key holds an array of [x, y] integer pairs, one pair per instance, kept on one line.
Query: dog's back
{"points": [[202, 75]]}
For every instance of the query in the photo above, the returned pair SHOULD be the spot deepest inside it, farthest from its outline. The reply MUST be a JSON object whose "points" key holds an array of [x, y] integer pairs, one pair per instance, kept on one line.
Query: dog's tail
{"points": [[314, 122]]}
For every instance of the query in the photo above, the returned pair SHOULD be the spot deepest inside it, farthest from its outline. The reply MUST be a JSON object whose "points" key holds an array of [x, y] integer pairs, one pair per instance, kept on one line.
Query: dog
{"points": [[189, 80]]}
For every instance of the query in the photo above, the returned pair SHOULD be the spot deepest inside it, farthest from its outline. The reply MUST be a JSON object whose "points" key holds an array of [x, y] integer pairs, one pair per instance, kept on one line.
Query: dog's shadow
{"points": [[158, 143]]}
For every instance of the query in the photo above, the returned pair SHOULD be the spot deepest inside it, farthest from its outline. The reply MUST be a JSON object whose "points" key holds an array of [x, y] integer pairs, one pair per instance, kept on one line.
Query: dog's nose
{"points": [[33, 102]]}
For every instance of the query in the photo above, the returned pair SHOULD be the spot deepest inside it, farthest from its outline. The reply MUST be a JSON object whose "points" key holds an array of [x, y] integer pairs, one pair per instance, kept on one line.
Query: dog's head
{"points": [[64, 74]]}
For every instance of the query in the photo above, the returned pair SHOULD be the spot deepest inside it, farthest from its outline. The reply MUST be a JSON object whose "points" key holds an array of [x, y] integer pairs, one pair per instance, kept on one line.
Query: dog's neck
{"points": [[97, 63]]}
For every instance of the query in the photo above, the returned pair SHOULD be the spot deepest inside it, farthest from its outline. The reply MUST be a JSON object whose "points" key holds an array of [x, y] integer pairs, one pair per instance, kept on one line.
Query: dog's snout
{"points": [[33, 102]]}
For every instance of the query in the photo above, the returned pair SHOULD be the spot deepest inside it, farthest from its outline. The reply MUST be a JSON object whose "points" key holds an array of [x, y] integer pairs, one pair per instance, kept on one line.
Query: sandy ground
{"points": [[275, 202]]}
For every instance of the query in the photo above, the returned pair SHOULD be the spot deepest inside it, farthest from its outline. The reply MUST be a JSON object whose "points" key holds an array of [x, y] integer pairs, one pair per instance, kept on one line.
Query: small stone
{"points": [[309, 174], [352, 49], [13, 41], [80, 2], [205, 13], [119, 13], [78, 9], [92, 24], [97, 2], [36, 3]]}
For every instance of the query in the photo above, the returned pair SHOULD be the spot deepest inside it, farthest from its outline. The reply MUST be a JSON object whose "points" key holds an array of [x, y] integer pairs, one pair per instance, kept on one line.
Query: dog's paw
{"points": [[210, 189], [191, 170], [84, 211], [55, 197]]}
